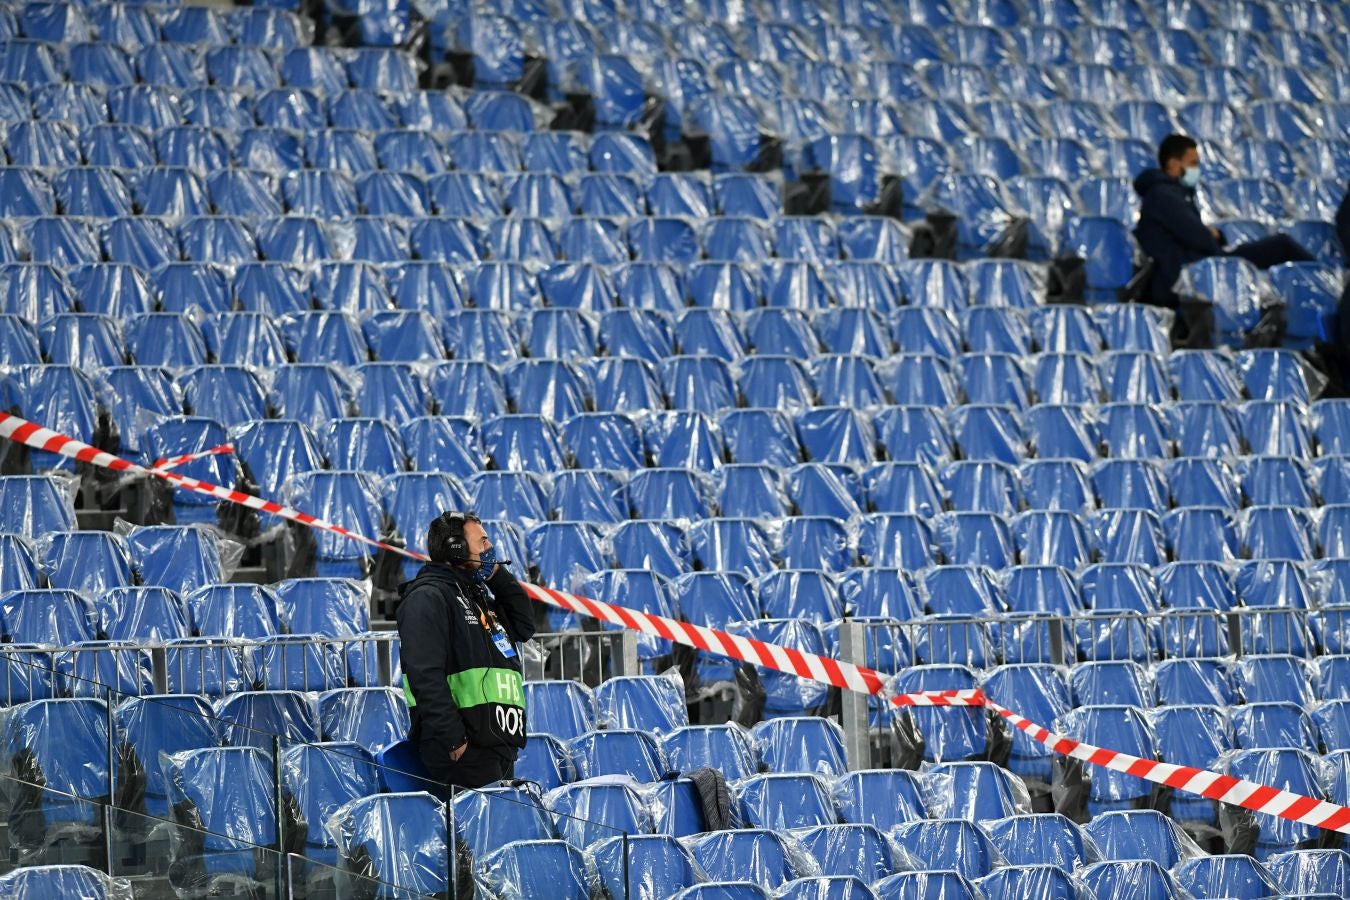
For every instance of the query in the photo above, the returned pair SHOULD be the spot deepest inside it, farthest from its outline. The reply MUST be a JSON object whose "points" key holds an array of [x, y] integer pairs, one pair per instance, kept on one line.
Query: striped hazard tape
{"points": [[173, 462], [1224, 788]]}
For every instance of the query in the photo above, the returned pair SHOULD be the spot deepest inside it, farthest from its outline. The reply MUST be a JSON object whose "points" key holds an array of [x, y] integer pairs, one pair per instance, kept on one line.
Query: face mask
{"points": [[1191, 177], [487, 562]]}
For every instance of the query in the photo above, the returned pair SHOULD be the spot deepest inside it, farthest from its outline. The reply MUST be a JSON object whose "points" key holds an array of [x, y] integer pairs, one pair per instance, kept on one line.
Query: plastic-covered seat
{"points": [[1121, 728], [683, 439], [988, 433], [755, 854], [1286, 769], [1273, 678], [367, 830], [777, 802], [915, 434], [536, 869], [726, 748], [955, 845]]}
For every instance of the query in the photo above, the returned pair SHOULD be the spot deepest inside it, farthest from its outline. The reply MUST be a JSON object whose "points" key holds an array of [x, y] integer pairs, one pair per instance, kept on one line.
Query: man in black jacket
{"points": [[1171, 231], [459, 620]]}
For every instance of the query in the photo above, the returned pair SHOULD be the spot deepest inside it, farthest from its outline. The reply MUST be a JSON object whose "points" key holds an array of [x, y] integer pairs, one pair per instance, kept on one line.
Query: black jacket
{"points": [[457, 682], [1170, 230]]}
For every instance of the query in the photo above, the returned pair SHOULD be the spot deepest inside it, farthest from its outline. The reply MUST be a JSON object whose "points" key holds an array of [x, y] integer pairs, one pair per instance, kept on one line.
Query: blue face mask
{"points": [[1191, 177], [487, 562]]}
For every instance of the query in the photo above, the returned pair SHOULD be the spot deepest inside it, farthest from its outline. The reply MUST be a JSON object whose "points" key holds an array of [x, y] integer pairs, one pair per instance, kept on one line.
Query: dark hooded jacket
{"points": [[1170, 230], [457, 682]]}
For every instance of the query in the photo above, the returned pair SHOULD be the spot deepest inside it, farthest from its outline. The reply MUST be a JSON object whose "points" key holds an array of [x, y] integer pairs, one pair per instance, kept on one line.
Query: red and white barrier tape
{"points": [[1223, 788], [173, 462]]}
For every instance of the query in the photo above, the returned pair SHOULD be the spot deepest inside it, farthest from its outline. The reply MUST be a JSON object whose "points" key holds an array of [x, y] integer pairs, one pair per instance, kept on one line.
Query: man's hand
{"points": [[456, 753], [1218, 235]]}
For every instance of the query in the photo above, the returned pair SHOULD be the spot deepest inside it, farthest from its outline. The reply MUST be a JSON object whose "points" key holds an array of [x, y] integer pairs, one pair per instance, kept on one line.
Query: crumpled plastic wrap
{"points": [[825, 887], [57, 752], [763, 856], [974, 790], [777, 801], [957, 844], [398, 839], [1043, 838], [653, 703], [598, 808], [862, 850], [321, 778], [35, 505], [1015, 882], [69, 881], [1142, 834], [181, 558], [657, 866], [727, 748], [536, 870], [801, 744]]}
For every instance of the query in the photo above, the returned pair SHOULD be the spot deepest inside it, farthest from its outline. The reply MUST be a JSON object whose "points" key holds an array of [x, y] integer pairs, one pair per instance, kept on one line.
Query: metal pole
{"points": [[451, 857], [628, 659], [281, 817], [112, 780], [853, 711], [625, 865]]}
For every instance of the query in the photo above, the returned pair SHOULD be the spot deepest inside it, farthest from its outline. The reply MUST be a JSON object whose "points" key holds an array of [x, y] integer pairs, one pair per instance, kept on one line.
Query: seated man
{"points": [[1172, 233]]}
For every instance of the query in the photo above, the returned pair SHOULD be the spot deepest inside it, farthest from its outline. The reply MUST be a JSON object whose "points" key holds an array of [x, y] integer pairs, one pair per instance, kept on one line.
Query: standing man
{"points": [[1173, 234], [458, 623]]}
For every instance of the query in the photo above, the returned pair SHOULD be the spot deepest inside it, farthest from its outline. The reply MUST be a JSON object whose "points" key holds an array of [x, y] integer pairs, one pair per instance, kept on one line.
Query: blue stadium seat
{"points": [[564, 709], [1307, 871], [915, 434], [536, 869], [778, 801], [759, 855], [178, 435], [726, 748], [1042, 839], [253, 718], [1201, 481], [786, 695], [1116, 683], [51, 743], [608, 807], [89, 562], [1273, 678], [1234, 875], [444, 444], [1121, 728], [1107, 878], [340, 496], [203, 785], [952, 844], [663, 865], [988, 432], [618, 751], [1201, 534], [369, 829], [801, 744], [656, 545], [51, 616], [1141, 834], [228, 394], [1260, 725], [1286, 769], [372, 718], [929, 883]]}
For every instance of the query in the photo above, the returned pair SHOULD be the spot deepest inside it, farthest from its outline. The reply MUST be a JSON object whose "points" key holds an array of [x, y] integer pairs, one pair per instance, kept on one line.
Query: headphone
{"points": [[457, 542]]}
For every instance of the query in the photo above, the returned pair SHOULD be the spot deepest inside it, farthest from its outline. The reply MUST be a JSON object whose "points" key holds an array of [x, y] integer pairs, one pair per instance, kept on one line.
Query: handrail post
{"points": [[853, 710]]}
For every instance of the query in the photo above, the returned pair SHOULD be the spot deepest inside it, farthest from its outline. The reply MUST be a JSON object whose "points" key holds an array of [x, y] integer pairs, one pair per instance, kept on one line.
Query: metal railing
{"points": [[105, 823]]}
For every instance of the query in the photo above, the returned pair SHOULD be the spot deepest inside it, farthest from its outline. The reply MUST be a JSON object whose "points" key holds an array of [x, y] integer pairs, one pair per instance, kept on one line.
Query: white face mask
{"points": [[1191, 177]]}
